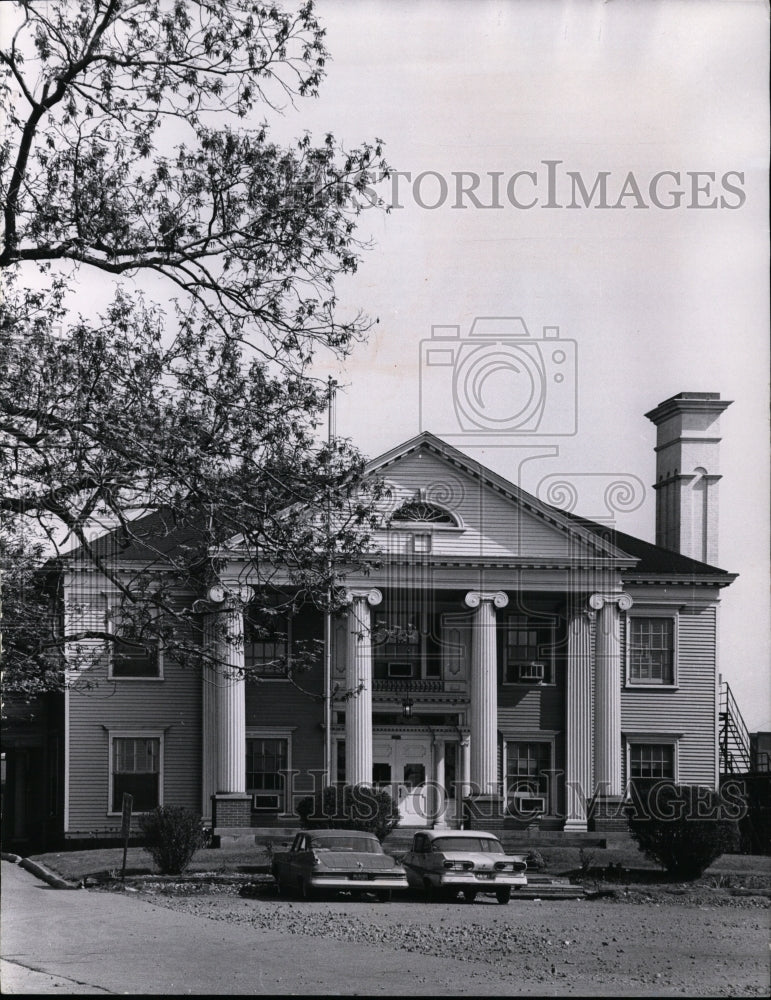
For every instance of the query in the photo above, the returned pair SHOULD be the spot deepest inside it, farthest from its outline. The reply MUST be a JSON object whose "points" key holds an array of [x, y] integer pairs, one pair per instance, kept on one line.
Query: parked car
{"points": [[445, 862], [335, 860]]}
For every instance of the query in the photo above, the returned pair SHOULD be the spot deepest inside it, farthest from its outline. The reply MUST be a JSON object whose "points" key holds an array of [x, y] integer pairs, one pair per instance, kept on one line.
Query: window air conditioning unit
{"points": [[532, 672], [266, 801], [529, 805]]}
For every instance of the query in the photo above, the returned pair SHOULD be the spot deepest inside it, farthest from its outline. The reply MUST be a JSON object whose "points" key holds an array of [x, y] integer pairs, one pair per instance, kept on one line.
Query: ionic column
{"points": [[484, 691], [358, 679], [607, 692], [231, 706], [224, 695], [578, 721]]}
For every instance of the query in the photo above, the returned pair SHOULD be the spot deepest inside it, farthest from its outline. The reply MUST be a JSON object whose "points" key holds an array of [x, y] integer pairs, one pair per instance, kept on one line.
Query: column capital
{"points": [[475, 597], [224, 597], [372, 596], [579, 614], [597, 601]]}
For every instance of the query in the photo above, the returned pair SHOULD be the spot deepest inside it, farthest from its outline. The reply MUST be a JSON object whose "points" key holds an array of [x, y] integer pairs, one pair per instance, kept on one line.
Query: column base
{"points": [[576, 826], [607, 813], [483, 812], [231, 809]]}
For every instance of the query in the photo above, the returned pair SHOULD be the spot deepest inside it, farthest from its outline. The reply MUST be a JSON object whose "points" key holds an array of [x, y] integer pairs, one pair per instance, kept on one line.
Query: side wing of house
{"points": [[132, 721], [669, 694]]}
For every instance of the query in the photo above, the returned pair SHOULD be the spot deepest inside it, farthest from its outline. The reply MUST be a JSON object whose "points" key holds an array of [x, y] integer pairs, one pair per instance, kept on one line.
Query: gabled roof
{"points": [[157, 534], [651, 560], [552, 515], [151, 538]]}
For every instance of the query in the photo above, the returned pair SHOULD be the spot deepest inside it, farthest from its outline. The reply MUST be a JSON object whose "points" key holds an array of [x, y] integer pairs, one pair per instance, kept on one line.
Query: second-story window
{"points": [[135, 651], [267, 643], [528, 650], [651, 650]]}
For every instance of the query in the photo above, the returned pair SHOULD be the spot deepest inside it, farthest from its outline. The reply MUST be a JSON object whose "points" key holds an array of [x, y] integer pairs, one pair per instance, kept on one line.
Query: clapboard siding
{"points": [[530, 709], [690, 709], [493, 523], [172, 705]]}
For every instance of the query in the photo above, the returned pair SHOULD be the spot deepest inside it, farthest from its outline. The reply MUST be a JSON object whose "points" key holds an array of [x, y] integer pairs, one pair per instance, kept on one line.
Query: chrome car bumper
{"points": [[361, 884], [473, 880]]}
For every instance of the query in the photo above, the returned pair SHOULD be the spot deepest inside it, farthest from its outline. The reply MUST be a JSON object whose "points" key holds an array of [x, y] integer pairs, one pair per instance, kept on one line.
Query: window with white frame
{"points": [[422, 511], [652, 760], [528, 656], [528, 764], [651, 650], [267, 760], [136, 769]]}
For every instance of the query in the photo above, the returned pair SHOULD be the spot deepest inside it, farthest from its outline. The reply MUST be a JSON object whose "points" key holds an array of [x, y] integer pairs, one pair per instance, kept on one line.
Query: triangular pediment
{"points": [[495, 519]]}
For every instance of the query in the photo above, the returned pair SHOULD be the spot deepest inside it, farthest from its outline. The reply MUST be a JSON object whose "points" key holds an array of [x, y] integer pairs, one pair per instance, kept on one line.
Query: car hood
{"points": [[351, 861]]}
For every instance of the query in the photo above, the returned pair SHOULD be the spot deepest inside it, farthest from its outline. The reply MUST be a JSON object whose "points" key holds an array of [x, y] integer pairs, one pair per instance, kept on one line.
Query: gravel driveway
{"points": [[601, 947]]}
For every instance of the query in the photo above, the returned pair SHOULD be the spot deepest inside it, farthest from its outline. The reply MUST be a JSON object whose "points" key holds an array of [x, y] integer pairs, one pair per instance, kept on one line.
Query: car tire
{"points": [[384, 895], [469, 895], [280, 887], [503, 895]]}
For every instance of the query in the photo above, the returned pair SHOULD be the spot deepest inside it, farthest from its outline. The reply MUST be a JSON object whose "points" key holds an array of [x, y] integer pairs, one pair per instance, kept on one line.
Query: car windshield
{"points": [[479, 845], [364, 845]]}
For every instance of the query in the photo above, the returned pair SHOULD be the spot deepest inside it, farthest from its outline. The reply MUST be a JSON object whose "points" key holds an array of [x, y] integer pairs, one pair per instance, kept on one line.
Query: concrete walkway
{"points": [[91, 942]]}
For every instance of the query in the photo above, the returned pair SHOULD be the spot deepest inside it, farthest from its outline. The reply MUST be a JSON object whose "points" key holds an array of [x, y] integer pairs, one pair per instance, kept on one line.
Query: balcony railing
{"points": [[403, 685]]}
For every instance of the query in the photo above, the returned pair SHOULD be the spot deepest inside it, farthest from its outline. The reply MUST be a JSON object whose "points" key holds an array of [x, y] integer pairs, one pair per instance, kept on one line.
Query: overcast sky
{"points": [[650, 300]]}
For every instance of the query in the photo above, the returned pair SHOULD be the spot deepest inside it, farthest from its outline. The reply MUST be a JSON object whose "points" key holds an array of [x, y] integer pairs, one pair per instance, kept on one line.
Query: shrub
{"points": [[681, 827], [351, 807], [172, 836]]}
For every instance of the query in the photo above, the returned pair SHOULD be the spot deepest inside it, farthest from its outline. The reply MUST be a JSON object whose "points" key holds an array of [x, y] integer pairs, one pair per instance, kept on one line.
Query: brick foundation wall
{"points": [[231, 810]]}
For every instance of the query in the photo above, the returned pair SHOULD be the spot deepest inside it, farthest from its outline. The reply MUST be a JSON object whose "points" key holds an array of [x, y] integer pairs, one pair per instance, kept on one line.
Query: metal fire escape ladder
{"points": [[735, 756]]}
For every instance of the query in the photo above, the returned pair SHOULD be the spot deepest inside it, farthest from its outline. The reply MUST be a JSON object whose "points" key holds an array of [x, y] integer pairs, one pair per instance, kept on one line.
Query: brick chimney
{"points": [[687, 473]]}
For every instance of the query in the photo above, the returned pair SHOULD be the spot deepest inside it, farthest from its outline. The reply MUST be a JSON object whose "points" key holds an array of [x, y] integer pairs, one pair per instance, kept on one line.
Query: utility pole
{"points": [[328, 763]]}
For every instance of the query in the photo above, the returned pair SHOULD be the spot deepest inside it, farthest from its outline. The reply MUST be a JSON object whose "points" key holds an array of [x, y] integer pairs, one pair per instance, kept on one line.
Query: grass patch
{"points": [[75, 865]]}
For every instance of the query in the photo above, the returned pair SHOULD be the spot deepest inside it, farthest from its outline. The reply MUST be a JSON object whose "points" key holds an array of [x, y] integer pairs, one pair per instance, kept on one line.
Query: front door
{"points": [[402, 764]]}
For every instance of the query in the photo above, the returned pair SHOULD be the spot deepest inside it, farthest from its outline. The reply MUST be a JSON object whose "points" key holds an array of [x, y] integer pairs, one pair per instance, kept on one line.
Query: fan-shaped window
{"points": [[424, 512]]}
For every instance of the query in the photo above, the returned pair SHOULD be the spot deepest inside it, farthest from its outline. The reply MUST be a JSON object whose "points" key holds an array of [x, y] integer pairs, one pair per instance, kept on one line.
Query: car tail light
{"points": [[510, 866]]}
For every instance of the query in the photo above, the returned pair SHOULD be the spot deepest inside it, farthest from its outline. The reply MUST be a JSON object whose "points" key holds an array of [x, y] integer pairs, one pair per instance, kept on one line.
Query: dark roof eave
{"points": [[682, 579]]}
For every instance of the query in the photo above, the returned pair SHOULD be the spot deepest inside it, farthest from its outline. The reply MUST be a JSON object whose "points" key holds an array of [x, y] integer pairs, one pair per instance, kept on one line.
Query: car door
{"points": [[299, 859], [414, 862]]}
